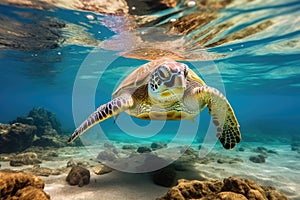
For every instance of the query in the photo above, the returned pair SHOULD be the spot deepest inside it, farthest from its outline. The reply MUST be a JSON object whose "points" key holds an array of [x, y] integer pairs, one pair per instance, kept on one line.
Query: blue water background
{"points": [[263, 89]]}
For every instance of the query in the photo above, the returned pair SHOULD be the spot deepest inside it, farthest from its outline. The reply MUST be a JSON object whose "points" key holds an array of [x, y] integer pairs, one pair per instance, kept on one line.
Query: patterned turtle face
{"points": [[168, 82]]}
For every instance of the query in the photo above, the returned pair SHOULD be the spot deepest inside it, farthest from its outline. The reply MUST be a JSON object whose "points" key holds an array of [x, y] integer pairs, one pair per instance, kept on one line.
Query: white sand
{"points": [[115, 185]]}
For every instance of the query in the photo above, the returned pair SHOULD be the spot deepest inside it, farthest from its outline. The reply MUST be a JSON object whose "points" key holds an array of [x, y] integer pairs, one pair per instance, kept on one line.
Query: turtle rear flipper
{"points": [[222, 115], [112, 108]]}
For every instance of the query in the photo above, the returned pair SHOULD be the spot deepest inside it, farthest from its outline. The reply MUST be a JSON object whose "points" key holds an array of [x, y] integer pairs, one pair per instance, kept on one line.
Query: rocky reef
{"points": [[231, 188], [17, 185], [45, 121], [40, 128], [16, 137]]}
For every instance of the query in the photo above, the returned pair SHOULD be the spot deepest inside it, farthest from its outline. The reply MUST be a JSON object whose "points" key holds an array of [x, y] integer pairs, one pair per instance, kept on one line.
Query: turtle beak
{"points": [[179, 84], [166, 93], [172, 92], [175, 86], [179, 90], [176, 81]]}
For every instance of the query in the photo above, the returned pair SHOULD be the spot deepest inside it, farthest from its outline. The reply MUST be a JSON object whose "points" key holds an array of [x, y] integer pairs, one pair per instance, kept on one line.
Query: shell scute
{"points": [[141, 75]]}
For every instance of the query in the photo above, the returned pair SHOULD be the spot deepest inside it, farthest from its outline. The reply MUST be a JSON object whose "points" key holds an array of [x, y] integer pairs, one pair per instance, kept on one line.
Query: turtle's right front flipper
{"points": [[223, 117], [112, 108]]}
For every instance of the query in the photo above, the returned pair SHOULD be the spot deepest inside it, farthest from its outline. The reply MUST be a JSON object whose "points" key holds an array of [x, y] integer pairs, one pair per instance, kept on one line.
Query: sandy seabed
{"points": [[281, 170], [115, 185]]}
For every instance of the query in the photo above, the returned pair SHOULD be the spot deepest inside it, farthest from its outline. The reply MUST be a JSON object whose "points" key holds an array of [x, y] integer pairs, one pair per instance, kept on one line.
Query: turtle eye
{"points": [[185, 72], [163, 72]]}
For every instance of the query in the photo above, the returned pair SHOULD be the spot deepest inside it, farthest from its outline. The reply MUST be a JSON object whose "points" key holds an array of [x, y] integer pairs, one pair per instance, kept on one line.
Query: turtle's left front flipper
{"points": [[112, 108], [222, 115]]}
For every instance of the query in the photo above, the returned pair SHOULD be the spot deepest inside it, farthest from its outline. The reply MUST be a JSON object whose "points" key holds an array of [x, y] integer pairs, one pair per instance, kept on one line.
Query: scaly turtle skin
{"points": [[168, 90]]}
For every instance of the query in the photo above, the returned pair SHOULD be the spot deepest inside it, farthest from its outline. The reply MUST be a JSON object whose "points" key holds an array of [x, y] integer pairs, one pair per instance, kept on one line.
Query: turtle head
{"points": [[168, 82]]}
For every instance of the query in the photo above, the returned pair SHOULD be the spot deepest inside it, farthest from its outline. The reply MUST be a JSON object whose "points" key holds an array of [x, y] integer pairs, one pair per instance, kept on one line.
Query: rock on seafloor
{"points": [[28, 158], [78, 176], [129, 147], [43, 171], [143, 149], [165, 176], [16, 137], [40, 128], [101, 169], [231, 188], [258, 159], [158, 145], [21, 186]]}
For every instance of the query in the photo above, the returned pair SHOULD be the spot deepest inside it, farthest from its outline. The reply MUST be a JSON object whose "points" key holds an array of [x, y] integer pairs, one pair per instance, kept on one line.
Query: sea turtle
{"points": [[168, 90]]}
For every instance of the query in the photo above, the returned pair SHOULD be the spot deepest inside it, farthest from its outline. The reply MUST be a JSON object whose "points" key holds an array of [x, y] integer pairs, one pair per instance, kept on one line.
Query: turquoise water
{"points": [[260, 72], [249, 50]]}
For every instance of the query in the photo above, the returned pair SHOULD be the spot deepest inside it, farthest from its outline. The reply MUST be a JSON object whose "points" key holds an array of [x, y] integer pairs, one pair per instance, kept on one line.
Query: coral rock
{"points": [[228, 196], [273, 194], [241, 186], [78, 176], [229, 189], [16, 185], [192, 189]]}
